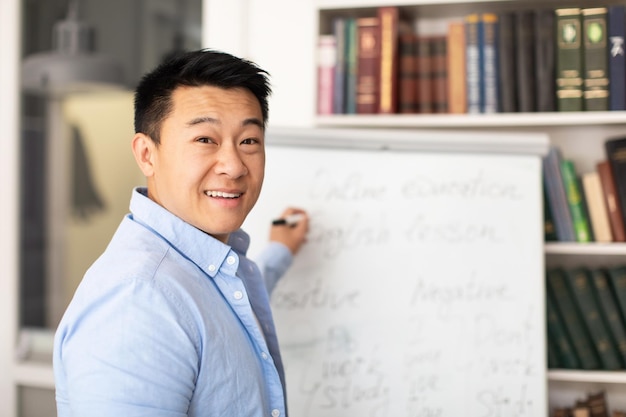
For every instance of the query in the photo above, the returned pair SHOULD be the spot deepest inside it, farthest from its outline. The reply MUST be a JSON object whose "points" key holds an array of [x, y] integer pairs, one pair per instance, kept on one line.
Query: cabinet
{"points": [[580, 135]]}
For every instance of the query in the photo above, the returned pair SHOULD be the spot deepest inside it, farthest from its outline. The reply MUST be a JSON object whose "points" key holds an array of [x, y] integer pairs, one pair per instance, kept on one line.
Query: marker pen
{"points": [[290, 220]]}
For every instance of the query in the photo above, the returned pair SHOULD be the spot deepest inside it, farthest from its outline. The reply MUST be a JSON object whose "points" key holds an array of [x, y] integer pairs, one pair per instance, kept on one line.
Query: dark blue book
{"points": [[545, 60], [525, 43], [491, 77], [557, 197], [474, 63], [617, 60]]}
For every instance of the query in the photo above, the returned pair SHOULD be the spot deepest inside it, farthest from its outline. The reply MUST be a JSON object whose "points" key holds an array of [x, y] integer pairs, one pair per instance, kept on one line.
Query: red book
{"points": [[326, 60], [389, 20], [612, 202], [368, 67]]}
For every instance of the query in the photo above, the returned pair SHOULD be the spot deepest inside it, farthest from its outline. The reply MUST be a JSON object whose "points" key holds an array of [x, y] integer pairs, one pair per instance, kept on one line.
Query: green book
{"points": [[580, 220], [617, 278], [578, 281], [557, 334], [610, 310], [569, 60], [596, 59], [564, 303]]}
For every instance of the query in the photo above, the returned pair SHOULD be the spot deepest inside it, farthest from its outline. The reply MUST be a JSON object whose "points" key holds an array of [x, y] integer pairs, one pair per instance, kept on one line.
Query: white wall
{"points": [[9, 56], [280, 36]]}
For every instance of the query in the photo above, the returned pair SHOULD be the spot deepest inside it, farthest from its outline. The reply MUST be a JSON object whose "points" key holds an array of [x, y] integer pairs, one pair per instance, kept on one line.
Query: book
{"points": [[564, 303], [557, 198], [615, 149], [610, 310], [596, 204], [617, 62], [507, 59], [617, 278], [439, 74], [407, 72], [388, 16], [575, 201], [457, 98], [326, 59], [473, 63], [525, 41], [545, 41], [424, 68], [613, 206], [595, 59], [368, 67], [351, 65], [569, 63], [578, 281], [339, 86], [489, 43], [566, 356], [549, 228]]}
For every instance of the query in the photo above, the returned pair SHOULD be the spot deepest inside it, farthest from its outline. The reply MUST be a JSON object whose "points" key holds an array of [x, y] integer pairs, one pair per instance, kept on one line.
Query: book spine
{"points": [[557, 198], [545, 41], [616, 155], [473, 62], [595, 62], [598, 213], [507, 60], [575, 202], [351, 65], [613, 205], [439, 74], [326, 59], [525, 40], [617, 61], [368, 56], [617, 278], [568, 311], [490, 75], [609, 310], [457, 97], [424, 75], [388, 18], [339, 93], [569, 85], [407, 91], [558, 333], [578, 281]]}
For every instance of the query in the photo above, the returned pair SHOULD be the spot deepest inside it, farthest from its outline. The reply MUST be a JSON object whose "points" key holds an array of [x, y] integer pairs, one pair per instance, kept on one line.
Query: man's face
{"points": [[209, 167]]}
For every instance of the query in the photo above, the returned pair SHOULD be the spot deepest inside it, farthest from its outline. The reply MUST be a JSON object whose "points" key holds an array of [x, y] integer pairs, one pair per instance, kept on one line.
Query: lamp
{"points": [[73, 65]]}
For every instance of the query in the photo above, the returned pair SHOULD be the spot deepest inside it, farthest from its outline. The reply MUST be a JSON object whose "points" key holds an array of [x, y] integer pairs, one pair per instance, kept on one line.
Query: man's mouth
{"points": [[221, 194]]}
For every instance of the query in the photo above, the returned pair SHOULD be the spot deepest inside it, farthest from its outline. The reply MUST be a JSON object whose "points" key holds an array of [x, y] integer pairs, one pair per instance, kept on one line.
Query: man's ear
{"points": [[144, 150]]}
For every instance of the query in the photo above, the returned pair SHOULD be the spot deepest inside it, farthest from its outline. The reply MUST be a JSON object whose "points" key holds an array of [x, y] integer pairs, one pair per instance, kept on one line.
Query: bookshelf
{"points": [[580, 135]]}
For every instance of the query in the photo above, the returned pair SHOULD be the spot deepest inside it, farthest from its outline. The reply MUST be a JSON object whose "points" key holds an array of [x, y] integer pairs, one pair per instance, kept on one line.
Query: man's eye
{"points": [[204, 140], [249, 141]]}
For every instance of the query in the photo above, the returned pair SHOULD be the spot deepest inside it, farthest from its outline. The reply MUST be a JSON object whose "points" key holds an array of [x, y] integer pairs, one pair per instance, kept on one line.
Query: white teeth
{"points": [[221, 194]]}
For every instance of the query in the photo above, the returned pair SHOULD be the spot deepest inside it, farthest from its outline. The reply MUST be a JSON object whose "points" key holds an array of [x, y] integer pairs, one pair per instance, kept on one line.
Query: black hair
{"points": [[153, 95]]}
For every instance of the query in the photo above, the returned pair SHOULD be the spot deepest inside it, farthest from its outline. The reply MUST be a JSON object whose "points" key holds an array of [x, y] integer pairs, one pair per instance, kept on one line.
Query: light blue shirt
{"points": [[166, 324]]}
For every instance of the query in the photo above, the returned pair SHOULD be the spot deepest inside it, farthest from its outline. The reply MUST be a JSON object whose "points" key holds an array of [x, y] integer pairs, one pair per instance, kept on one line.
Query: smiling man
{"points": [[173, 319]]}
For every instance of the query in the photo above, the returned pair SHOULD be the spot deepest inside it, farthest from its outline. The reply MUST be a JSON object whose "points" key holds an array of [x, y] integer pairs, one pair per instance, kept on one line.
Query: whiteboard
{"points": [[419, 292]]}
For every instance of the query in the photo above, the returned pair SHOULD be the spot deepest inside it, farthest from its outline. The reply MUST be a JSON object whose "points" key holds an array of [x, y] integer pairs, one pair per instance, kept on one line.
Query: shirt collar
{"points": [[201, 248]]}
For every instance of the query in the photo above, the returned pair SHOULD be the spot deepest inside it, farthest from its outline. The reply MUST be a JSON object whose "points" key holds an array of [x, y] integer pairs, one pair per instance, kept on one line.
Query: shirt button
{"points": [[211, 268], [275, 413], [230, 260], [264, 355], [238, 295]]}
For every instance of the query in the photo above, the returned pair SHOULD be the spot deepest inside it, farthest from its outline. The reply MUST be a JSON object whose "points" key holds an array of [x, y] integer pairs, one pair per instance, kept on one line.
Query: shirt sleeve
{"points": [[130, 352], [273, 262]]}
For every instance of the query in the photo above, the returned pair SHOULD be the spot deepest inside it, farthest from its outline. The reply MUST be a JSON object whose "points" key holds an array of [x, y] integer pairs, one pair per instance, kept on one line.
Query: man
{"points": [[173, 319]]}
